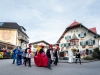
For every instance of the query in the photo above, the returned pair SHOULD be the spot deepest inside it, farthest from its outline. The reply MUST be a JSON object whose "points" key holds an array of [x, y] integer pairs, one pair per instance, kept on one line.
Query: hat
{"points": [[50, 45], [41, 46]]}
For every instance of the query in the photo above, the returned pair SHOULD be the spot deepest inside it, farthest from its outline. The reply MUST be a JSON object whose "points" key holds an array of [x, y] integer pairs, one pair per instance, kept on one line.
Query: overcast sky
{"points": [[47, 19]]}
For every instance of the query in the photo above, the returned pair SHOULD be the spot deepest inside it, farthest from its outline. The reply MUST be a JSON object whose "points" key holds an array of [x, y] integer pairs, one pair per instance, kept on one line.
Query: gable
{"points": [[75, 26]]}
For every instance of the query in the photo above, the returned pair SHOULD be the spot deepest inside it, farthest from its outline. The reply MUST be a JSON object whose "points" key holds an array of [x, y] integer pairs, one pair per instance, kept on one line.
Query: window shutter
{"points": [[84, 34], [66, 38], [93, 42], [80, 43], [65, 45], [68, 44], [78, 35], [70, 37], [86, 42], [61, 45]]}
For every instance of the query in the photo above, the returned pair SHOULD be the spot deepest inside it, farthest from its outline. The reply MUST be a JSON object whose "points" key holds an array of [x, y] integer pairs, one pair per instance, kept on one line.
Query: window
{"points": [[88, 52], [68, 44], [91, 42], [68, 37], [62, 45], [22, 29], [82, 35]]}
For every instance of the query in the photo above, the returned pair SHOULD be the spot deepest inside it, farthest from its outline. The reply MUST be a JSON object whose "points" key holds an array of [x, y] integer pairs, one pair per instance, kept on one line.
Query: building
{"points": [[77, 36], [13, 34], [38, 43]]}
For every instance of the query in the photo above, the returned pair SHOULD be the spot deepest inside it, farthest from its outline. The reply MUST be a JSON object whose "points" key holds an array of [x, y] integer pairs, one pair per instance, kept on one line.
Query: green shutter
{"points": [[68, 44], [93, 42], [70, 37], [61, 45], [84, 34], [86, 42], [80, 43], [64, 45], [78, 35]]}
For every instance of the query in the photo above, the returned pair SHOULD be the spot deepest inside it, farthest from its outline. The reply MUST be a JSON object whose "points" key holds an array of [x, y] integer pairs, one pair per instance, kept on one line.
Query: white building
{"points": [[38, 43], [77, 36]]}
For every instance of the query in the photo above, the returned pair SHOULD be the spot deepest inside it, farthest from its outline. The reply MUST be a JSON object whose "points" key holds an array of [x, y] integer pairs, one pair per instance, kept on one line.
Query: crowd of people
{"points": [[41, 58], [5, 53]]}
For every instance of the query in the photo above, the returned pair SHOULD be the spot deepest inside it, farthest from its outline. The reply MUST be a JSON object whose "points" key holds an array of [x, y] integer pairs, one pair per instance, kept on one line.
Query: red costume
{"points": [[41, 59]]}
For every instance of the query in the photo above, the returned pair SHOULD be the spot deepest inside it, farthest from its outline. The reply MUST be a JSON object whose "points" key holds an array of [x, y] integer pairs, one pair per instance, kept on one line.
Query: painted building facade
{"points": [[14, 34], [77, 36]]}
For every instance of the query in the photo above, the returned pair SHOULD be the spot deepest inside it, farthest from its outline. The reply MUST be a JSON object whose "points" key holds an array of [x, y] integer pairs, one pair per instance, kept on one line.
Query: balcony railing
{"points": [[22, 38]]}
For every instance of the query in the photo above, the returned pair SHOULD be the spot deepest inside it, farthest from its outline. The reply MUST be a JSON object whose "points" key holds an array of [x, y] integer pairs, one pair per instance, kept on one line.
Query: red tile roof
{"points": [[74, 24], [93, 30]]}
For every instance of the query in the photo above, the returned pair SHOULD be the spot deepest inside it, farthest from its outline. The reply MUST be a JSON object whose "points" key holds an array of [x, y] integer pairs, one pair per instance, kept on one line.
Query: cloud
{"points": [[47, 19]]}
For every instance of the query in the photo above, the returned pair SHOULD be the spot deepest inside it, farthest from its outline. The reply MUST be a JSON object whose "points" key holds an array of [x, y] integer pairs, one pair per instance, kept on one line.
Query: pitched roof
{"points": [[74, 37], [93, 29], [12, 25], [74, 24], [40, 42]]}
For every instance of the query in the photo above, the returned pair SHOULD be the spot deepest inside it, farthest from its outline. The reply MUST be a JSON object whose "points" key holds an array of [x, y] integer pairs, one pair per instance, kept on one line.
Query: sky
{"points": [[47, 19]]}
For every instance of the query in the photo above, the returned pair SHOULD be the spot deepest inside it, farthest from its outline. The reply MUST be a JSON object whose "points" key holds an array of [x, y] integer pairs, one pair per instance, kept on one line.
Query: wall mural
{"points": [[6, 34]]}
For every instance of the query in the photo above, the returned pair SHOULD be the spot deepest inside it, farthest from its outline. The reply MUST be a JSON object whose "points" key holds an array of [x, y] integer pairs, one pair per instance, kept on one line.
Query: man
{"points": [[28, 55], [48, 53], [56, 55], [78, 57]]}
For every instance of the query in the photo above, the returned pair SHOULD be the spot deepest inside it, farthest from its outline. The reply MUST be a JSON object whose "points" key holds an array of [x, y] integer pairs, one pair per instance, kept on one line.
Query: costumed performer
{"points": [[28, 55], [70, 55], [40, 58]]}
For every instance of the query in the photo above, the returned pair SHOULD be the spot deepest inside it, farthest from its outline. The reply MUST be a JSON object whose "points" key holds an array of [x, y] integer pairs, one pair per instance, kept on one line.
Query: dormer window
{"points": [[23, 29], [68, 37], [82, 35]]}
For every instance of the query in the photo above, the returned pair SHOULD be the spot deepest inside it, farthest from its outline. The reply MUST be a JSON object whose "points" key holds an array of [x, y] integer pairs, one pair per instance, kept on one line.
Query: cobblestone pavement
{"points": [[92, 68]]}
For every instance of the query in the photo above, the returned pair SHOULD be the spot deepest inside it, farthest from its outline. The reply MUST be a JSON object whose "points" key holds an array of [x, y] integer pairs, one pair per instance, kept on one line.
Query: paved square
{"points": [[92, 68]]}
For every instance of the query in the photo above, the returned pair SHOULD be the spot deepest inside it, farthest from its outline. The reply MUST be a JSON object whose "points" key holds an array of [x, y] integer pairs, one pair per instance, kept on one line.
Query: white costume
{"points": [[70, 55]]}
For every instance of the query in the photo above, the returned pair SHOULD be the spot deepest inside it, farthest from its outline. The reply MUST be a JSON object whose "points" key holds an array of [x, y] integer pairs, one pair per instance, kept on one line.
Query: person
{"points": [[56, 54], [40, 58], [19, 56], [15, 52], [70, 55], [42, 49], [48, 53], [28, 56], [78, 57]]}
